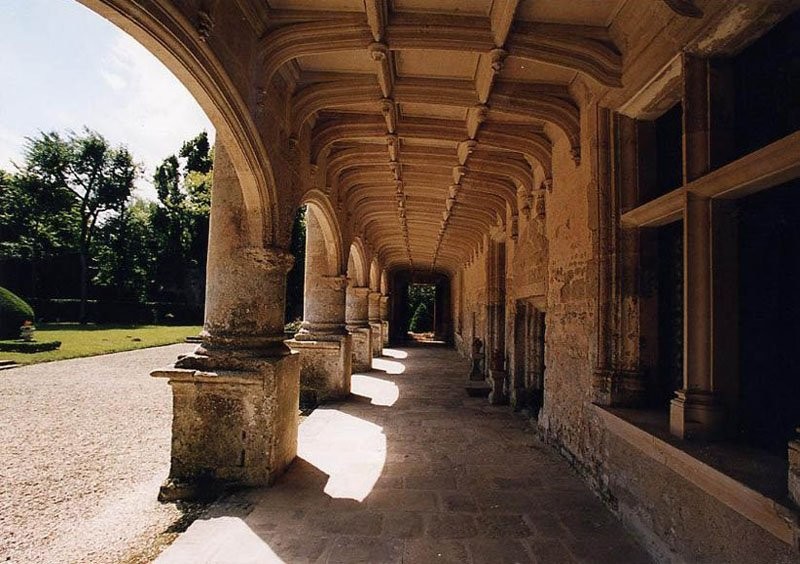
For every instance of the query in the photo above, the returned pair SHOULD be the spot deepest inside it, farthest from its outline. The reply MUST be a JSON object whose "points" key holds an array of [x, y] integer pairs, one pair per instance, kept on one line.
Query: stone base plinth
{"points": [[794, 469], [497, 382], [377, 338], [325, 365], [477, 388], [234, 421], [696, 415], [618, 388], [362, 348], [385, 333]]}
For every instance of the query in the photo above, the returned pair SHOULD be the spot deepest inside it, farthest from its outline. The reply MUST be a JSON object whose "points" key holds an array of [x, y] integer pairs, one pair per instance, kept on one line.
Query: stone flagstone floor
{"points": [[412, 470]]}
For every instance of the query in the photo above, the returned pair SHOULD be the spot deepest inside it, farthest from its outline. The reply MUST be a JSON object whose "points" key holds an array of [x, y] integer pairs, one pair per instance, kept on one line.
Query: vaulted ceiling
{"points": [[429, 117]]}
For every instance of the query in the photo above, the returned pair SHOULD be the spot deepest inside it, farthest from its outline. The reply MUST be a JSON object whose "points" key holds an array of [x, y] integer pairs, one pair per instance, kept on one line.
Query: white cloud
{"points": [[115, 81], [154, 113]]}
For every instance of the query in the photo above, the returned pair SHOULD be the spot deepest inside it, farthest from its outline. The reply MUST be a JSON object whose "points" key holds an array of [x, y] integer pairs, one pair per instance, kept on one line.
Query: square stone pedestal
{"points": [[376, 338], [231, 427], [325, 366], [362, 348], [696, 415]]}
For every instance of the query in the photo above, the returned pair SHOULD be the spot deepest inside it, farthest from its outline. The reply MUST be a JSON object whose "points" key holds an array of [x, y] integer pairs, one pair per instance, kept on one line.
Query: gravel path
{"points": [[84, 445]]}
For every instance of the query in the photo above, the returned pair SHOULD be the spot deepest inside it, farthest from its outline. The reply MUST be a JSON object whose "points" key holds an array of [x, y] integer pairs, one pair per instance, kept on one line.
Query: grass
{"points": [[90, 340]]}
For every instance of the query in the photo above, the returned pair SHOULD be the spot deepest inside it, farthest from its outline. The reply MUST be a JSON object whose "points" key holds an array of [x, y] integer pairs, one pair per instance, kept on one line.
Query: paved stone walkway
{"points": [[412, 470], [84, 445]]}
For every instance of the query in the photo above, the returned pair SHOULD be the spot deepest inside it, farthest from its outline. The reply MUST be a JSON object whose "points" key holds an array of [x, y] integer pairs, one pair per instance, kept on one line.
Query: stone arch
{"points": [[181, 47], [384, 282], [374, 276], [357, 264], [322, 227]]}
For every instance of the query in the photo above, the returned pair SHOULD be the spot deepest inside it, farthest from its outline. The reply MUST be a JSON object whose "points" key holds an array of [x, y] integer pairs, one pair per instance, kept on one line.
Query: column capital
{"points": [[360, 291], [269, 258], [337, 282]]}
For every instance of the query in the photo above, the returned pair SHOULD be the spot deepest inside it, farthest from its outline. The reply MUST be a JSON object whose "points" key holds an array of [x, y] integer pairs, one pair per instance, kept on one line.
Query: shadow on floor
{"points": [[410, 469]]}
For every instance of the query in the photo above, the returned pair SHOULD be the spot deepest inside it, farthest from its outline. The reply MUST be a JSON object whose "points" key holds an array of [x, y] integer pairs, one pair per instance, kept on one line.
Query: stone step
{"points": [[6, 364], [194, 339]]}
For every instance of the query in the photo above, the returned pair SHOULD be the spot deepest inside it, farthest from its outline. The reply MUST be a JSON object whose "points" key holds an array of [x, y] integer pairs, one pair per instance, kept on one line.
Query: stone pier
{"points": [[357, 316], [235, 398]]}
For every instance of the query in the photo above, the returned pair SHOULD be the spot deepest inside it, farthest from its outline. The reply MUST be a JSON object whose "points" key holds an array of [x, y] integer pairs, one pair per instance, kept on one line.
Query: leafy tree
{"points": [[180, 221], [295, 279], [421, 298], [125, 250], [88, 173]]}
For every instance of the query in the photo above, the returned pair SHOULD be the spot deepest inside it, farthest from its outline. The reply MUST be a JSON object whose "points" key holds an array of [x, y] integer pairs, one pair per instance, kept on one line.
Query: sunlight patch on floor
{"points": [[388, 366], [395, 353], [379, 392], [217, 539], [351, 451]]}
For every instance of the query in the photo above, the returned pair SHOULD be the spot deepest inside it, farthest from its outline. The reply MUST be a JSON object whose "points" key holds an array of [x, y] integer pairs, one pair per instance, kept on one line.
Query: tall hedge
{"points": [[14, 311]]}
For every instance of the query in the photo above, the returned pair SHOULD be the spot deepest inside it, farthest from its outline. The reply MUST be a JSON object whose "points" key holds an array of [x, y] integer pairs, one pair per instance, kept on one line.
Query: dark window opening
{"points": [[670, 315], [769, 317], [669, 147], [767, 82]]}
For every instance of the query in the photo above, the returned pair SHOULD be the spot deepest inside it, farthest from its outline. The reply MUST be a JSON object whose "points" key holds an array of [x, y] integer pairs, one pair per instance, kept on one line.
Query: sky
{"points": [[63, 67]]}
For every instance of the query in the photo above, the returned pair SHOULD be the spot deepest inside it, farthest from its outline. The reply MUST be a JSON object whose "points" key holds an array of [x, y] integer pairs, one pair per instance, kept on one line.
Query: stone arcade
{"points": [[603, 192]]}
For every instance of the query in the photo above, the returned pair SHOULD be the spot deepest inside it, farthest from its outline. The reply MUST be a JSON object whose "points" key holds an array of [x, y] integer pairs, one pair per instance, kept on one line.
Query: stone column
{"points": [[235, 398], [375, 323], [357, 316], [385, 320], [325, 346], [696, 410]]}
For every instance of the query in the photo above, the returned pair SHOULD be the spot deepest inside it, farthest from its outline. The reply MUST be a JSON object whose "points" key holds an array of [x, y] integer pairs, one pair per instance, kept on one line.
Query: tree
{"points": [[125, 251], [295, 279], [180, 222], [84, 168]]}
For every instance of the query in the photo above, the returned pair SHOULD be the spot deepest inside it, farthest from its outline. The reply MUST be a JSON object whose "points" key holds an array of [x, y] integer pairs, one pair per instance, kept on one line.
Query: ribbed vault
{"points": [[429, 123]]}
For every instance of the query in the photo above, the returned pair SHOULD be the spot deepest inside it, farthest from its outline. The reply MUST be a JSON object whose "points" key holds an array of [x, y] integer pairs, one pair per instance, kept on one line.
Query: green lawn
{"points": [[89, 340]]}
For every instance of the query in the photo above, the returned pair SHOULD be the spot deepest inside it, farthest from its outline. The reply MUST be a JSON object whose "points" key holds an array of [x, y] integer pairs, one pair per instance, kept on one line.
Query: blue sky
{"points": [[62, 67]]}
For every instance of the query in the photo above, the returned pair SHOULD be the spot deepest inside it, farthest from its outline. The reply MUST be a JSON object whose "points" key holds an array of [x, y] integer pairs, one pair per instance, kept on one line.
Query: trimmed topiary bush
{"points": [[14, 311], [29, 347]]}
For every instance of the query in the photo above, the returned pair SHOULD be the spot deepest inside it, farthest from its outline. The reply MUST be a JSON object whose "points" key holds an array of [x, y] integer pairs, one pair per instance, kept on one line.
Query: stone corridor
{"points": [[409, 469]]}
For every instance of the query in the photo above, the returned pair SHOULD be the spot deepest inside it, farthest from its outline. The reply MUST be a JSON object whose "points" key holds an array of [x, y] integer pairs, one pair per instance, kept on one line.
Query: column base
{"points": [[234, 421], [618, 388], [325, 366], [376, 338], [362, 348], [794, 468], [696, 415]]}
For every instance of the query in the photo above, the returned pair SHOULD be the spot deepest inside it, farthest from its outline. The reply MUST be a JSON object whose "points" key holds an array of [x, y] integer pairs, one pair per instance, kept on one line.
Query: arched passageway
{"points": [[532, 151]]}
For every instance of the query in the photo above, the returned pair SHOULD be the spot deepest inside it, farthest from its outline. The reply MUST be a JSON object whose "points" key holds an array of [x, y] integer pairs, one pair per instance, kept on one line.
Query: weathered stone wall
{"points": [[678, 520]]}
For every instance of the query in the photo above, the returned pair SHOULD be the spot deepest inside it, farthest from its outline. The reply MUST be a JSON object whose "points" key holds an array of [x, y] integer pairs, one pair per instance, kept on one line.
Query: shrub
{"points": [[14, 311], [422, 320], [29, 347]]}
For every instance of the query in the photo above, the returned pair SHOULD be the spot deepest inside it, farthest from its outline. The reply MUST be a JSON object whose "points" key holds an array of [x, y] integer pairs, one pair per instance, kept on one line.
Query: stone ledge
{"points": [[775, 518], [243, 378]]}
